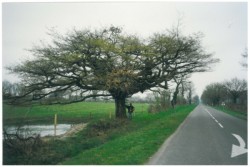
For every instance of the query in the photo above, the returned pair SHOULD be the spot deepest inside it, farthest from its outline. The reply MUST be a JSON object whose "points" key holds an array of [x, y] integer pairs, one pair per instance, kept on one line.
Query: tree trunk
{"points": [[190, 96], [174, 100], [235, 99], [120, 108]]}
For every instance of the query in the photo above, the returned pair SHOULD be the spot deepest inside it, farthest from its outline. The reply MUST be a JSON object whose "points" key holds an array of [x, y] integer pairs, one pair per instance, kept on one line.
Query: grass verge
{"points": [[135, 146], [241, 115]]}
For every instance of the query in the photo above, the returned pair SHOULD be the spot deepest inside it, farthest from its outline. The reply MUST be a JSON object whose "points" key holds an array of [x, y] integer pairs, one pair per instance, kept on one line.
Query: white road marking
{"points": [[214, 118], [220, 125], [238, 150]]}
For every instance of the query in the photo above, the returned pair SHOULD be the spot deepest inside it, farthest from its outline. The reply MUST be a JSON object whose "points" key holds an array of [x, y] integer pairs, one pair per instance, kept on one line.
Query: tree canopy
{"points": [[109, 62]]}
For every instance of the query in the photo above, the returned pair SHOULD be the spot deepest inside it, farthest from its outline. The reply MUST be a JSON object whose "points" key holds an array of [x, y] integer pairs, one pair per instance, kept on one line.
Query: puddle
{"points": [[43, 130]]}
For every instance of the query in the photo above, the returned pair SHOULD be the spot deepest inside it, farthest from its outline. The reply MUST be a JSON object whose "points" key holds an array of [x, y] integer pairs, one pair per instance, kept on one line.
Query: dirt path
{"points": [[73, 130]]}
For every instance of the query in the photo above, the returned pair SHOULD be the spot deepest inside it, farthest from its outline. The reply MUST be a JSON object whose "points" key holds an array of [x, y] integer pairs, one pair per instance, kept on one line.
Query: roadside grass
{"points": [[238, 114], [105, 141], [135, 146]]}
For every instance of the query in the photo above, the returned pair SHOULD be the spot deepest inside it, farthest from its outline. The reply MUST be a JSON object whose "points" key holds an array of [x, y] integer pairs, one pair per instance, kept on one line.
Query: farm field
{"points": [[70, 113], [105, 140]]}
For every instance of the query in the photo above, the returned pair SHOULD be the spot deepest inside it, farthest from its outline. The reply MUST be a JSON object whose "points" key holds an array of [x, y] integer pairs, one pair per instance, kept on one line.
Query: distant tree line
{"points": [[182, 93], [232, 93], [10, 90]]}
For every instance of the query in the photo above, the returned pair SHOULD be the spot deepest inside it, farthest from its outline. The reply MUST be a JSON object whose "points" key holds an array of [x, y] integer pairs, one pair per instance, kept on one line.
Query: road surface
{"points": [[206, 137]]}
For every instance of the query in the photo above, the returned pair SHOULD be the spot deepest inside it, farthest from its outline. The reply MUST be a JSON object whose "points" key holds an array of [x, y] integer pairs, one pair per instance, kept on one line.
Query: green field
{"points": [[105, 141], [75, 112]]}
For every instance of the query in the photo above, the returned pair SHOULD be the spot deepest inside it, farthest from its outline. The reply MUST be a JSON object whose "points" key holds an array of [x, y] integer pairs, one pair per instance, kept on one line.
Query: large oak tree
{"points": [[108, 62]]}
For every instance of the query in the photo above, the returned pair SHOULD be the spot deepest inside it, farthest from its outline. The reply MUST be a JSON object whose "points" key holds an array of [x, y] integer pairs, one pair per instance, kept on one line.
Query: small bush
{"points": [[104, 125], [19, 144], [154, 108]]}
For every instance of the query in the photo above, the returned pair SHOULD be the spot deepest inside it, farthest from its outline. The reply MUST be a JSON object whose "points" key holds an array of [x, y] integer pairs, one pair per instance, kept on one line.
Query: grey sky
{"points": [[223, 24]]}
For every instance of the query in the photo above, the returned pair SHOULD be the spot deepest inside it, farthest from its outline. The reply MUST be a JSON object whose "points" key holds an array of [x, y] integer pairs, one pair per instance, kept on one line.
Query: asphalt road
{"points": [[204, 138]]}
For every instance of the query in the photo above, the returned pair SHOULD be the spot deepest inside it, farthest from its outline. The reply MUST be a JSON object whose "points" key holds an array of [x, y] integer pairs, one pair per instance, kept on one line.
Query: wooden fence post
{"points": [[55, 123], [110, 115]]}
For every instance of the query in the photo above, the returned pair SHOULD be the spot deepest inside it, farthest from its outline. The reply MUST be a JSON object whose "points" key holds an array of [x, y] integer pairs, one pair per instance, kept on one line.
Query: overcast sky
{"points": [[223, 24]]}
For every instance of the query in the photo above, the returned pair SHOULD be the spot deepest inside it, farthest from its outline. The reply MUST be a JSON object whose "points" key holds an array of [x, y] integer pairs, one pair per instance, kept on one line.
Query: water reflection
{"points": [[43, 130]]}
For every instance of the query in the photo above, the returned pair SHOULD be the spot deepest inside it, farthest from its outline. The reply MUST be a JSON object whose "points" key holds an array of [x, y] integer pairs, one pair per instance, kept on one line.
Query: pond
{"points": [[43, 130]]}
